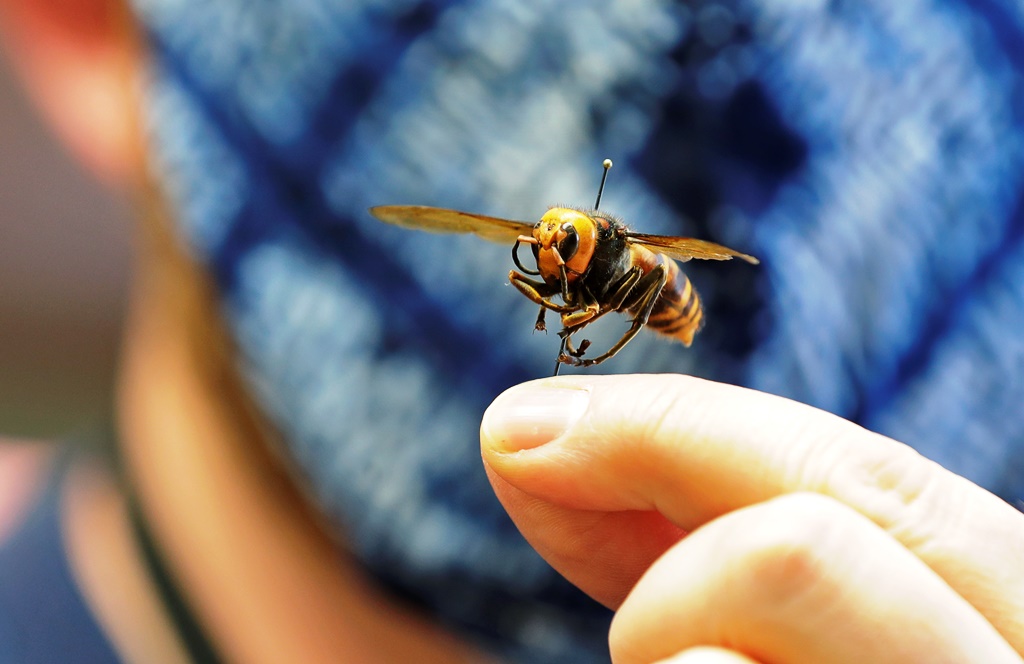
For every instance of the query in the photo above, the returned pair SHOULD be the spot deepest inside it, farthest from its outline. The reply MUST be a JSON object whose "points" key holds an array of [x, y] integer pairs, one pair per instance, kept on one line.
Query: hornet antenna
{"points": [[607, 163]]}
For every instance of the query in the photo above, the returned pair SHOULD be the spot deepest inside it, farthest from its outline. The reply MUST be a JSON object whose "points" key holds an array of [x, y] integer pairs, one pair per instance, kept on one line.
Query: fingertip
{"points": [[531, 414]]}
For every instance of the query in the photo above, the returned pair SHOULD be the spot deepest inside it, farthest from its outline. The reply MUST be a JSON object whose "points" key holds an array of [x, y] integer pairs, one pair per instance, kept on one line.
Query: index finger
{"points": [[692, 450]]}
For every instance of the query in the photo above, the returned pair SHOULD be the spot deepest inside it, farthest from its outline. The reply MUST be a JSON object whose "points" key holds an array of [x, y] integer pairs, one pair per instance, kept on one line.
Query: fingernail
{"points": [[528, 416]]}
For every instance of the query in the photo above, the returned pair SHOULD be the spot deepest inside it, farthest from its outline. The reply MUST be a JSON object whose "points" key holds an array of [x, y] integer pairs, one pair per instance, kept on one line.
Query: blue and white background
{"points": [[869, 152]]}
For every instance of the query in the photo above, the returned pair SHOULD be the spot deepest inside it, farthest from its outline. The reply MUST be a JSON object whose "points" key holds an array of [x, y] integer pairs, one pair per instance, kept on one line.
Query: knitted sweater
{"points": [[870, 153]]}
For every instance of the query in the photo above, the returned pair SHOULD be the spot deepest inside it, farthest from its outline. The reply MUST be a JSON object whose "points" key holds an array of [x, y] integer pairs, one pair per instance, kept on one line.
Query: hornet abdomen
{"points": [[677, 312]]}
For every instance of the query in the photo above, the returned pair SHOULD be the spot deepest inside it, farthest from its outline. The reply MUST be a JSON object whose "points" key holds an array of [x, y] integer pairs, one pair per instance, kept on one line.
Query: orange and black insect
{"points": [[593, 263]]}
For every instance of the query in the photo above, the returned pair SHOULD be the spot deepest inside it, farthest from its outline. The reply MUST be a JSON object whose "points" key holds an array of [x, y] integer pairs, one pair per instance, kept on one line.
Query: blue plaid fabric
{"points": [[869, 152]]}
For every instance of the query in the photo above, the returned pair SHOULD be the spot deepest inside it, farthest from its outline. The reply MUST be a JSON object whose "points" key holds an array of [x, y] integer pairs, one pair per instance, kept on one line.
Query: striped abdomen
{"points": [[677, 313]]}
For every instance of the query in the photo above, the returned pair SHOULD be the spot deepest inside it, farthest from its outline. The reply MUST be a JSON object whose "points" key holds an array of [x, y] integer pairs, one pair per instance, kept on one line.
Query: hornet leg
{"points": [[536, 291], [647, 292], [624, 288], [540, 325], [592, 310], [558, 360], [575, 322]]}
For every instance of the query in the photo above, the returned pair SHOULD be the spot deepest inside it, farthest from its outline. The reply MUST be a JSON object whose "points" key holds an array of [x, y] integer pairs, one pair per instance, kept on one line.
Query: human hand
{"points": [[711, 515]]}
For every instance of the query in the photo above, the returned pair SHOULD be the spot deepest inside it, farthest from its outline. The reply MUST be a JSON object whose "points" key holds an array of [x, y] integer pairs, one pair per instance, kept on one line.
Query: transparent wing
{"points": [[685, 248], [443, 220]]}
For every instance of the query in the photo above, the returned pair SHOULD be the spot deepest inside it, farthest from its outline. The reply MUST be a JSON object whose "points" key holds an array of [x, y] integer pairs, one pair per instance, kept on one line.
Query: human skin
{"points": [[784, 505], [255, 563], [712, 515]]}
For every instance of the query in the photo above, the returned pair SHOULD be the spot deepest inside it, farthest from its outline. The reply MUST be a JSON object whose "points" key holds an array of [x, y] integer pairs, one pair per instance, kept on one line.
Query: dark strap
{"points": [[200, 649]]}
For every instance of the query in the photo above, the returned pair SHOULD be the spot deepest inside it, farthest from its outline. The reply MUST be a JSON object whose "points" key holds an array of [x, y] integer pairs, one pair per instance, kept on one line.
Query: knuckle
{"points": [[791, 553], [895, 487]]}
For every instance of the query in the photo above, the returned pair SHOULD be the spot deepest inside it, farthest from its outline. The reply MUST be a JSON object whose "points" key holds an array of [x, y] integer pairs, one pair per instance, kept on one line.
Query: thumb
{"points": [[603, 474], [580, 512]]}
